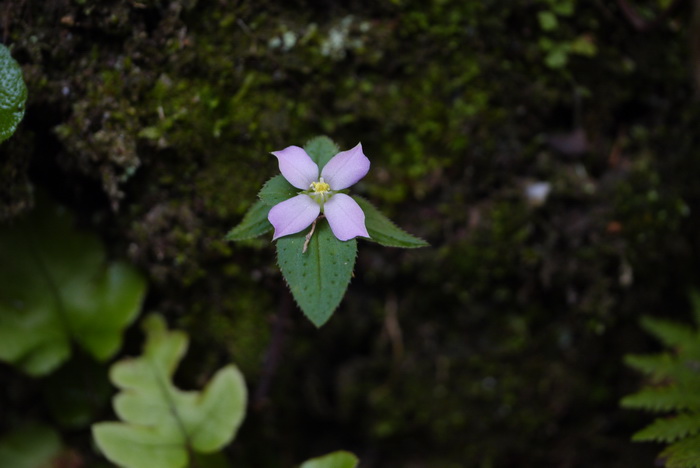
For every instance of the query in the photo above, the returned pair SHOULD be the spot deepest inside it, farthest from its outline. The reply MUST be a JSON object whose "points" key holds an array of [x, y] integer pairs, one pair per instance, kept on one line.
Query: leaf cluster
{"points": [[673, 387]]}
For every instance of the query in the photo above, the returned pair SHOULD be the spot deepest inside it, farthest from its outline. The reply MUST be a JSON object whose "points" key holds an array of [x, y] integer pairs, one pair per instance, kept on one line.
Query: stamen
{"points": [[320, 187]]}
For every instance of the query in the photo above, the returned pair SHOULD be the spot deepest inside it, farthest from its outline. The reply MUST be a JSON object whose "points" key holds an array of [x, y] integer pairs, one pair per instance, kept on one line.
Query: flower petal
{"points": [[293, 215], [345, 216], [297, 167], [345, 168]]}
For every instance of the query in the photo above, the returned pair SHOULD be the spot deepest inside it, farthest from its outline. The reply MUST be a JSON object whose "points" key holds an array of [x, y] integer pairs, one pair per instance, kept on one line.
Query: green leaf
{"points": [[340, 459], [56, 288], [548, 20], [563, 7], [277, 190], [584, 45], [658, 366], [162, 424], [385, 232], [670, 429], [670, 333], [682, 454], [254, 223], [319, 277], [321, 149], [30, 447], [663, 399], [13, 94], [558, 57]]}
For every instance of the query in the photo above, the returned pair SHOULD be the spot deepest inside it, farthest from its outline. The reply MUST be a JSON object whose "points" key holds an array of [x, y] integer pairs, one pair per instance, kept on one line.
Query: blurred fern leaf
{"points": [[673, 387]]}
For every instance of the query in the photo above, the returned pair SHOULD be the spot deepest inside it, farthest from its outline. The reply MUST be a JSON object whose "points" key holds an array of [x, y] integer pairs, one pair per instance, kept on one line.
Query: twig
{"points": [[311, 233]]}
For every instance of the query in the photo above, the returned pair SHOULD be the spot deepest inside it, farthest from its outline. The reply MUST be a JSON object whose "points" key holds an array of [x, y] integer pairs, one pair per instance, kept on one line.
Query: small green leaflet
{"points": [[56, 288], [163, 424], [385, 232], [277, 190], [319, 277], [13, 94], [254, 223], [321, 149], [669, 429], [340, 459]]}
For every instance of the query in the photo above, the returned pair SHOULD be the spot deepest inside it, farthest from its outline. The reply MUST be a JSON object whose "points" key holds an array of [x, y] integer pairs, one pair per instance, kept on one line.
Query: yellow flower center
{"points": [[320, 191], [320, 187]]}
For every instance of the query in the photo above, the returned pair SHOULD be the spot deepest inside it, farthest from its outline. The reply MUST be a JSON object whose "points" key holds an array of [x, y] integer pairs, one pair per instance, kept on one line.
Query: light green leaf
{"points": [[321, 149], [584, 45], [254, 223], [30, 447], [385, 232], [56, 287], [319, 277], [548, 20], [277, 190], [162, 424], [340, 459], [13, 94], [563, 7], [558, 57]]}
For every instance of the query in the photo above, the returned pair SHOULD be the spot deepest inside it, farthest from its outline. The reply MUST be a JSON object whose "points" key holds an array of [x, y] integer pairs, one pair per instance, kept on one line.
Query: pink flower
{"points": [[320, 193]]}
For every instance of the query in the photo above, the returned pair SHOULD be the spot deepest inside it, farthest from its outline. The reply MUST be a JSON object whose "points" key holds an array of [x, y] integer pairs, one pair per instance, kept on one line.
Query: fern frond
{"points": [[671, 334], [658, 366], [675, 387], [660, 399], [683, 454], [670, 429]]}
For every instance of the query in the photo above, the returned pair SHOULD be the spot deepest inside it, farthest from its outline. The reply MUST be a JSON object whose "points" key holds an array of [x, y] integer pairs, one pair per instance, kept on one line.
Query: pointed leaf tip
{"points": [[254, 223], [383, 231]]}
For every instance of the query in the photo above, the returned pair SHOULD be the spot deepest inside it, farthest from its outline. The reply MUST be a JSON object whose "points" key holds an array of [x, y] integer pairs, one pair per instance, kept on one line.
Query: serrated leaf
{"points": [[383, 231], [277, 190], [56, 288], [162, 424], [339, 459], [321, 149], [32, 446], [254, 223], [319, 277], [670, 429], [13, 94]]}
